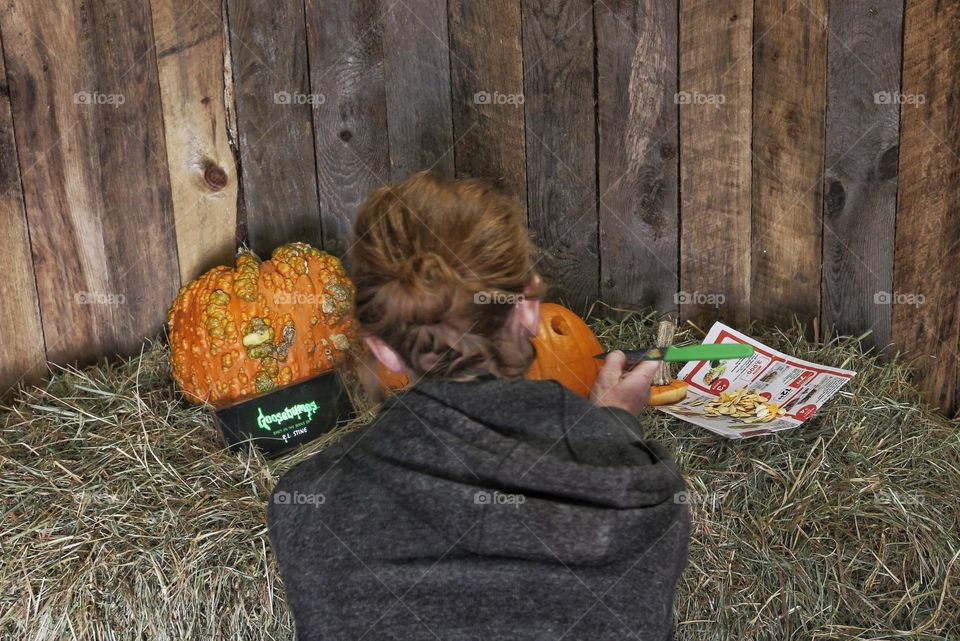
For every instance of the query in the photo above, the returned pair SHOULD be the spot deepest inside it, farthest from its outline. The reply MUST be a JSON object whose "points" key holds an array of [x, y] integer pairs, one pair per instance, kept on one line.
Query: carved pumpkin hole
{"points": [[559, 325]]}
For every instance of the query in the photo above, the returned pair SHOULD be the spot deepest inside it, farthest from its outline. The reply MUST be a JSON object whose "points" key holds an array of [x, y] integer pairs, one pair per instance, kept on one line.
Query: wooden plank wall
{"points": [[20, 331], [561, 142], [864, 50], [638, 153], [735, 160], [716, 70], [486, 62], [789, 85], [190, 44], [926, 318], [346, 41], [87, 118], [268, 46]]}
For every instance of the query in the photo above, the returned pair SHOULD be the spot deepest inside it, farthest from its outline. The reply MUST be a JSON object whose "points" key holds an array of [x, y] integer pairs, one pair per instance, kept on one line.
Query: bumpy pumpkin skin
{"points": [[238, 332], [566, 347]]}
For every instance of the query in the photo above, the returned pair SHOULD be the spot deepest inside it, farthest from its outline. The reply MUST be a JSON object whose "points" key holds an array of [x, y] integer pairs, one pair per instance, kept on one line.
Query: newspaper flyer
{"points": [[793, 388]]}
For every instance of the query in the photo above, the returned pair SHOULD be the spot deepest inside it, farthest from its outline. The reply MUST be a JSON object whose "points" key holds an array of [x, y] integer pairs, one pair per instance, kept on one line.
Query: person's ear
{"points": [[385, 354], [528, 314], [528, 310]]}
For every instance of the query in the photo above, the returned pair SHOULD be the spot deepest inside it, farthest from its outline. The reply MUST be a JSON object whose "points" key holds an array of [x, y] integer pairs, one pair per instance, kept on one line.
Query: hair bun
{"points": [[426, 251], [430, 269]]}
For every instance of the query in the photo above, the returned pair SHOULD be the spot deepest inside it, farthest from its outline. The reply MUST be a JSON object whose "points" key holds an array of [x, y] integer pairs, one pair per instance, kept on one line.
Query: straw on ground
{"points": [[125, 519]]}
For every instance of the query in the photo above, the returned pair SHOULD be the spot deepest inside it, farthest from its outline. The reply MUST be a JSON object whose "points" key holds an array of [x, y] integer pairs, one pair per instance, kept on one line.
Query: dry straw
{"points": [[125, 519]]}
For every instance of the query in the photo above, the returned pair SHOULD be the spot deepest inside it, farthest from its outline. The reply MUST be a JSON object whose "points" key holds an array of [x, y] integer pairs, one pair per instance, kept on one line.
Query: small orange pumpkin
{"points": [[566, 348], [236, 332]]}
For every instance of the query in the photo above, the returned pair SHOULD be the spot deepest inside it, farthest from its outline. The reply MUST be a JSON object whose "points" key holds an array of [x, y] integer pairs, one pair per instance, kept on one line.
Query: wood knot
{"points": [[215, 177], [836, 197], [887, 166]]}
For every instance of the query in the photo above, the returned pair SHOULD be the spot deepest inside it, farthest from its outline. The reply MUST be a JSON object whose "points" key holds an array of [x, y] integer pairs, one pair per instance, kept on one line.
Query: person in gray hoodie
{"points": [[477, 504]]}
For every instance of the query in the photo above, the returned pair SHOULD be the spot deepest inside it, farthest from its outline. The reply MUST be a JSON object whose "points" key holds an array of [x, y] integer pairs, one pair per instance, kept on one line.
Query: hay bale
{"points": [[125, 518]]}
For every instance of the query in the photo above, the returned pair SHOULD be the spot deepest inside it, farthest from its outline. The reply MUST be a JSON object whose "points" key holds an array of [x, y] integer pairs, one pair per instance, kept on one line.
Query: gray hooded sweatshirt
{"points": [[490, 510]]}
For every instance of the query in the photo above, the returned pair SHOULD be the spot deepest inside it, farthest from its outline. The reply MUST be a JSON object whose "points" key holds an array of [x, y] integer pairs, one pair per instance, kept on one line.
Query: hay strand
{"points": [[125, 518]]}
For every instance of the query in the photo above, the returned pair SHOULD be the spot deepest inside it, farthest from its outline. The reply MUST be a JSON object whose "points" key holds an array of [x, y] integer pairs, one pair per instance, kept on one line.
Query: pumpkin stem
{"points": [[665, 331]]}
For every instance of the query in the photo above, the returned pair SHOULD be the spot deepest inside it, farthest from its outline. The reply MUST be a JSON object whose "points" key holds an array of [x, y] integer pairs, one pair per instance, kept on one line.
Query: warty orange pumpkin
{"points": [[566, 347], [236, 332]]}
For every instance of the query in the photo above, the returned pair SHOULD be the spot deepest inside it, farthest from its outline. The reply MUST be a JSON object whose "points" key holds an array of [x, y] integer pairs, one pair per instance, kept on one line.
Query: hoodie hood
{"points": [[523, 469]]}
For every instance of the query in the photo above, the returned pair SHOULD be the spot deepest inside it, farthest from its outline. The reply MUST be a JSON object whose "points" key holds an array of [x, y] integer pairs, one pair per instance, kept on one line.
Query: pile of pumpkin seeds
{"points": [[743, 404]]}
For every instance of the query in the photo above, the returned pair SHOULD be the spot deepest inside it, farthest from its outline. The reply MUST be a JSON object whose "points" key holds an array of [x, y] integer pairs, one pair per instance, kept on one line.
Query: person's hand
{"points": [[628, 390]]}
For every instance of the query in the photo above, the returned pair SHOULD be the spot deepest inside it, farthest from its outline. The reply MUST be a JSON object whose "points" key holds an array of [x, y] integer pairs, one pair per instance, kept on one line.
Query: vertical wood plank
{"points": [[203, 183], [346, 68], [864, 50], [486, 64], [716, 69], [269, 48], [417, 64], [637, 156], [789, 71], [560, 143], [926, 317], [86, 109], [21, 333]]}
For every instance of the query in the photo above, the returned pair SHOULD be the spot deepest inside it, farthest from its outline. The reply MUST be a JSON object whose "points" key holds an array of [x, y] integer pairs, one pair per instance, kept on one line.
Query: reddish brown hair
{"points": [[438, 264]]}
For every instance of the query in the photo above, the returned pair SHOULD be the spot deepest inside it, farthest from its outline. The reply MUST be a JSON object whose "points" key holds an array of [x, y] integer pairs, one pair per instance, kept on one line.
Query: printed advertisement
{"points": [[766, 393]]}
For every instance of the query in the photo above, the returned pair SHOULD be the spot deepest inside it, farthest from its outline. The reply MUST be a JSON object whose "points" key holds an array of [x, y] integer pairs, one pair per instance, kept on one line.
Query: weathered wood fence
{"points": [[737, 159]]}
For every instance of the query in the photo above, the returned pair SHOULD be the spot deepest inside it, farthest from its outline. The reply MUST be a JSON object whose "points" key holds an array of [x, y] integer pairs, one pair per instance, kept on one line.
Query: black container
{"points": [[278, 421]]}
